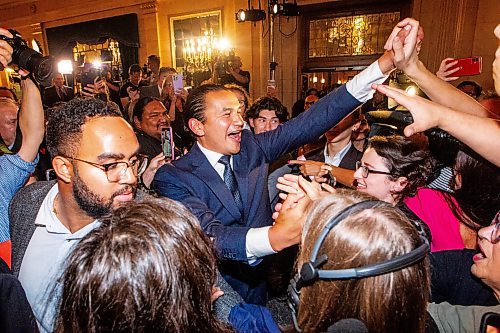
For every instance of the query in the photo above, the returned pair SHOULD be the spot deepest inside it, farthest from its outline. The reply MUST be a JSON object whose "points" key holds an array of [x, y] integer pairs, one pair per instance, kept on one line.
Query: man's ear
{"points": [[63, 168], [250, 122], [196, 127]]}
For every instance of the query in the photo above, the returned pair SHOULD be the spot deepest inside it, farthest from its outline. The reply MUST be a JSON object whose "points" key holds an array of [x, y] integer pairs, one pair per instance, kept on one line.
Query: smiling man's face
{"points": [[221, 130]]}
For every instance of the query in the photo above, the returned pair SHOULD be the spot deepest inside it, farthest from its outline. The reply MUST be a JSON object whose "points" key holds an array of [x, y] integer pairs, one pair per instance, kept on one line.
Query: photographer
{"points": [[130, 90], [15, 169], [228, 71]]}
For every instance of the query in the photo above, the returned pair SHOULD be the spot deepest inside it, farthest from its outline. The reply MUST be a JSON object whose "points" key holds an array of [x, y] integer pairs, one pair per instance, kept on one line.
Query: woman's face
{"points": [[487, 262], [378, 185]]}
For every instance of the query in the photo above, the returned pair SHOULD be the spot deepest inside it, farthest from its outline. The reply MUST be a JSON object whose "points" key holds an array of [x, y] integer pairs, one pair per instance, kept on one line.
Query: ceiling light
{"points": [[288, 9]]}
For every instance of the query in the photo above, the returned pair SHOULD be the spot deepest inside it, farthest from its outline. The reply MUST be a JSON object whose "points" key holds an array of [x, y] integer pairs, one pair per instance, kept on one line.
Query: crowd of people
{"points": [[328, 219]]}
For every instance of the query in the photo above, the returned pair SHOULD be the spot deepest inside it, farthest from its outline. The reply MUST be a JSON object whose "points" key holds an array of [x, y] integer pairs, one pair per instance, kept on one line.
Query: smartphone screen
{"points": [[177, 82], [167, 143]]}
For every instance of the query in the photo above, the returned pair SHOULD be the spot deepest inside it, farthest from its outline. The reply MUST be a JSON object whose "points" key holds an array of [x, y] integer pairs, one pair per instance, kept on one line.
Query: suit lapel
{"points": [[204, 171]]}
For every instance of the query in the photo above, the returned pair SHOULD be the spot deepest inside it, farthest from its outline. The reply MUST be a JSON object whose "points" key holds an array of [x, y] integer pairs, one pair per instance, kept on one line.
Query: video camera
{"points": [[40, 67], [224, 62]]}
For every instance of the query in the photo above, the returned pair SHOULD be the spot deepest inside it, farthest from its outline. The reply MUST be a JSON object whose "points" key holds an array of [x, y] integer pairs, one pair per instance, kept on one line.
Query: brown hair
{"points": [[405, 157], [391, 302], [149, 268]]}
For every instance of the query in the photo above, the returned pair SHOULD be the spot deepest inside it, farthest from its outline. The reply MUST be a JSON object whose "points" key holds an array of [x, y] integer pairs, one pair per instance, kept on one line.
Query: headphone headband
{"points": [[310, 270]]}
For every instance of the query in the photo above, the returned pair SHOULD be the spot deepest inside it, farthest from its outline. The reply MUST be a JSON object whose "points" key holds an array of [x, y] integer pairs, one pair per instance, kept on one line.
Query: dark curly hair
{"points": [[64, 128], [267, 103], [405, 157], [477, 194]]}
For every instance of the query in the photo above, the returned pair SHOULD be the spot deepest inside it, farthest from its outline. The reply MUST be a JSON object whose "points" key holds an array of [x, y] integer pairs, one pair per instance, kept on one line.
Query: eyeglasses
{"points": [[310, 103], [495, 233], [117, 170], [365, 171]]}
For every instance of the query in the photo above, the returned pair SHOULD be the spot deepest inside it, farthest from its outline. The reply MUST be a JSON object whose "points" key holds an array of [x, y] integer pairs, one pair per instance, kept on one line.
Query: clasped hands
{"points": [[290, 215]]}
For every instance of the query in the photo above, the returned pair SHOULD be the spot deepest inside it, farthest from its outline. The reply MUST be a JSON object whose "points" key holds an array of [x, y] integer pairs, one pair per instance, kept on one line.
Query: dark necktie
{"points": [[230, 181]]}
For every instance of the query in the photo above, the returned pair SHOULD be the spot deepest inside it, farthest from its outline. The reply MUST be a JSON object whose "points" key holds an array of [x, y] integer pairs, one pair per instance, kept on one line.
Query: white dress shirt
{"points": [[45, 259], [337, 158], [257, 239]]}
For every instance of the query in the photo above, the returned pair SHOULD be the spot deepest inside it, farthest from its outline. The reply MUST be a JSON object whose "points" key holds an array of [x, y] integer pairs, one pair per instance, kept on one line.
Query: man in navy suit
{"points": [[241, 224]]}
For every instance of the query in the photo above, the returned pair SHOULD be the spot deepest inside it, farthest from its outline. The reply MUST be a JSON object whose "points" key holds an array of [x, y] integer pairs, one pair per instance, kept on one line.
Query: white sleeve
{"points": [[360, 86], [257, 244]]}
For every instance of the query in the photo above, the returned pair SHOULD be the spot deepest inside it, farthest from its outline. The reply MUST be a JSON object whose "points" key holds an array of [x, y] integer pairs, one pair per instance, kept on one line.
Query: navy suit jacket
{"points": [[195, 183]]}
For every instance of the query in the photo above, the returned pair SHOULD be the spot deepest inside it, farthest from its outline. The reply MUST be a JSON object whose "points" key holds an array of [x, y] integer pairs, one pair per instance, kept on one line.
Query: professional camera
{"points": [[224, 62], [26, 58]]}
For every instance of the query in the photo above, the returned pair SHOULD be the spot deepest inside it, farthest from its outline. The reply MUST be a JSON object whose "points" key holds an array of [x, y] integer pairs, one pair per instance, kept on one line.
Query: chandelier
{"points": [[199, 53]]}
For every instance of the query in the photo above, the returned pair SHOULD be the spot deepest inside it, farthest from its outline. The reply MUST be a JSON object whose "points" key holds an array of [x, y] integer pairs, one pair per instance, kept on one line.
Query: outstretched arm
{"points": [[406, 59], [479, 133]]}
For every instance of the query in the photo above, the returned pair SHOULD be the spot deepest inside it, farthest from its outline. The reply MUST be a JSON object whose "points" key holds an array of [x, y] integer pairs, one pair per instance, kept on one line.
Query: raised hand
{"points": [[425, 113], [287, 228], [5, 49], [444, 70]]}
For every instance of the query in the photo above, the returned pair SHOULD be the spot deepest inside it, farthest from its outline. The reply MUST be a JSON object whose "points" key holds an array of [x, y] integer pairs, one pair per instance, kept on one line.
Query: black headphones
{"points": [[310, 271]]}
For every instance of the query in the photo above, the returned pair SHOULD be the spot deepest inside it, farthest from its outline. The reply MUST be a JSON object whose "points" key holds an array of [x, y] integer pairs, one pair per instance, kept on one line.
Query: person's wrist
{"points": [[386, 62], [413, 69], [280, 237]]}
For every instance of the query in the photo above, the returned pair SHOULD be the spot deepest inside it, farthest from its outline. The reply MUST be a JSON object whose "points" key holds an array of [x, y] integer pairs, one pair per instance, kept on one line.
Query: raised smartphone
{"points": [[167, 143], [468, 66], [177, 82]]}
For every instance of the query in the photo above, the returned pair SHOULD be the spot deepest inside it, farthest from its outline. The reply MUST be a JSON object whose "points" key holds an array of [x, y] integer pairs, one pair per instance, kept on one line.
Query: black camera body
{"points": [[224, 62], [26, 58]]}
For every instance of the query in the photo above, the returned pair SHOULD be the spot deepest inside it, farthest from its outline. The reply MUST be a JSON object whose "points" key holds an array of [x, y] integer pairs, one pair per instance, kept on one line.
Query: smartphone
{"points": [[271, 86], [177, 82], [167, 143], [490, 322], [89, 77], [468, 66]]}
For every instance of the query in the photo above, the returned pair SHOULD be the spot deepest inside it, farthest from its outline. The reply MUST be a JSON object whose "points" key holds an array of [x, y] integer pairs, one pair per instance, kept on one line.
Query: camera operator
{"points": [[228, 71]]}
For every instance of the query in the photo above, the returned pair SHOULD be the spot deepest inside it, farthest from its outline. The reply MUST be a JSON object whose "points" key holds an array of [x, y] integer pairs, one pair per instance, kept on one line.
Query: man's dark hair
{"points": [[134, 69], [14, 96], [477, 87], [64, 128], [140, 105], [195, 103], [267, 103], [154, 58], [311, 90]]}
